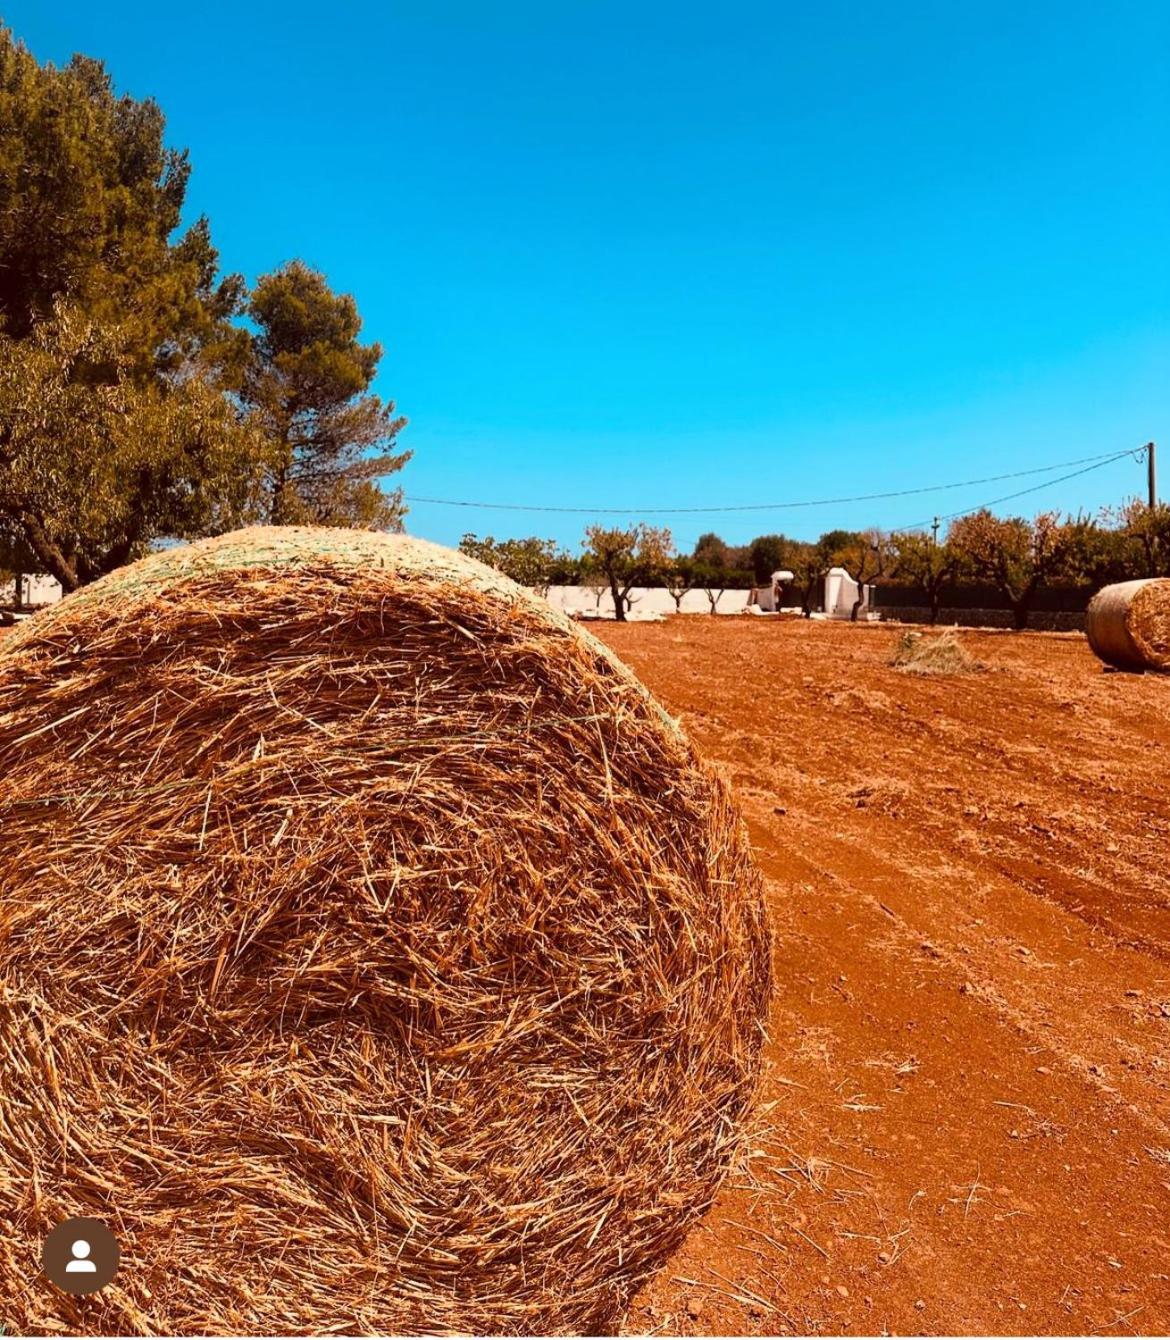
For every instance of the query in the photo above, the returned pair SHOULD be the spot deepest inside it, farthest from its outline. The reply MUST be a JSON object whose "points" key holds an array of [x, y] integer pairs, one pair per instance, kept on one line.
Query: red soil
{"points": [[965, 1109]]}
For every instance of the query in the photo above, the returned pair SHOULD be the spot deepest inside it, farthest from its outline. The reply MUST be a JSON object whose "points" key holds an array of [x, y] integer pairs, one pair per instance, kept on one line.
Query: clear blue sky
{"points": [[657, 254]]}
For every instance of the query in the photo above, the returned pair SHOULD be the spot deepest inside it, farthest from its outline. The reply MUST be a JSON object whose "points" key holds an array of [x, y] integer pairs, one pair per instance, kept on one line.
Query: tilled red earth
{"points": [[965, 1112]]}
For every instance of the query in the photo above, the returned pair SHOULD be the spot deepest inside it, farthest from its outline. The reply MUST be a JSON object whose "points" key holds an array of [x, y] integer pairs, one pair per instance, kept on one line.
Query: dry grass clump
{"points": [[941, 654], [1128, 624], [375, 955]]}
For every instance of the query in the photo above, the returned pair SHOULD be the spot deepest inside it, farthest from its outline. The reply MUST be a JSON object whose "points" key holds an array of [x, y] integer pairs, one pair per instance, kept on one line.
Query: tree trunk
{"points": [[861, 600], [279, 484], [18, 590], [56, 564], [1022, 603], [116, 557], [619, 601]]}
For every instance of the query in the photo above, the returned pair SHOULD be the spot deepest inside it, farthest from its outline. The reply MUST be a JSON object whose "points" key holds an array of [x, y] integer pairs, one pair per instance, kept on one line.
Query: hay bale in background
{"points": [[375, 954], [1128, 624]]}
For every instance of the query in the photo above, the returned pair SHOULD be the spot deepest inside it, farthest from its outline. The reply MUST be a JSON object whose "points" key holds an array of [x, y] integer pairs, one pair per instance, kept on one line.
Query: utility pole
{"points": [[934, 528], [1151, 468]]}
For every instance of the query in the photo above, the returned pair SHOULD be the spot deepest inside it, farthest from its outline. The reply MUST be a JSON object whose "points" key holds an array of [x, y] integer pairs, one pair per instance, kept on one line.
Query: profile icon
{"points": [[80, 1256], [81, 1264]]}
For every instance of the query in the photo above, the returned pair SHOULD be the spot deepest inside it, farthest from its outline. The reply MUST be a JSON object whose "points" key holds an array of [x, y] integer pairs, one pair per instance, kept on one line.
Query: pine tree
{"points": [[90, 202], [308, 380], [115, 332]]}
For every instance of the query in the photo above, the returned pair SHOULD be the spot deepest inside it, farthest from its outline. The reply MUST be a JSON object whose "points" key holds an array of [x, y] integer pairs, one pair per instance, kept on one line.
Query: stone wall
{"points": [[1052, 621]]}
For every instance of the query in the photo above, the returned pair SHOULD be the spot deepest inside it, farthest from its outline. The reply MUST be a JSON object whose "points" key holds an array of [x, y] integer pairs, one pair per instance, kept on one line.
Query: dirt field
{"points": [[967, 1086]]}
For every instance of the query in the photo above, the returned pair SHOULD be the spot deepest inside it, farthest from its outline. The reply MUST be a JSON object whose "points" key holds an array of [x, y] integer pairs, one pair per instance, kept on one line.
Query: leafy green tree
{"points": [[679, 579], [1015, 555], [96, 463], [308, 383], [591, 578], [90, 202], [1147, 531], [115, 331], [713, 579], [918, 559], [628, 556], [1092, 554], [835, 542], [866, 556], [532, 562], [711, 551], [807, 563], [131, 406], [767, 554], [565, 569]]}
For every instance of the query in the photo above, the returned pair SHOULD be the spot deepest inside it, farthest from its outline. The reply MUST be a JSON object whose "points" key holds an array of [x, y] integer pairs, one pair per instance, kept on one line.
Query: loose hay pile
{"points": [[374, 953], [915, 654], [1128, 624]]}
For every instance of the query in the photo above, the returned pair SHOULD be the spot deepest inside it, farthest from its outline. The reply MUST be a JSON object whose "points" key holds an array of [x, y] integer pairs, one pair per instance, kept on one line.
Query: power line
{"points": [[1035, 488], [1098, 461]]}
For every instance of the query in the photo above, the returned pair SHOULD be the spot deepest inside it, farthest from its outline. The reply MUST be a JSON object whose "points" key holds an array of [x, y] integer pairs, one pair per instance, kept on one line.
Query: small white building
{"points": [[777, 596], [841, 593]]}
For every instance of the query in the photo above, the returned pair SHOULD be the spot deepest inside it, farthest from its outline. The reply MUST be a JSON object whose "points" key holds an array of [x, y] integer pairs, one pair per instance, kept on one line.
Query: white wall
{"points": [[38, 590], [841, 593], [646, 600], [41, 590]]}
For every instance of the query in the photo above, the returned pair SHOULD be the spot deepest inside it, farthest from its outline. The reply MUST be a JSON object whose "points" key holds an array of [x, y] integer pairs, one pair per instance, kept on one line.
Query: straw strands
{"points": [[375, 954], [1128, 624], [942, 654]]}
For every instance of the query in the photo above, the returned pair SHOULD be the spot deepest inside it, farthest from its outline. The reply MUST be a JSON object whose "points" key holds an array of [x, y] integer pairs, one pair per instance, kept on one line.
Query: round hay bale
{"points": [[1128, 624], [375, 953]]}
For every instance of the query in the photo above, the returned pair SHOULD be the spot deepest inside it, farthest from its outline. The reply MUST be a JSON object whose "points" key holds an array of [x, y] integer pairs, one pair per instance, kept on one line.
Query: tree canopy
{"points": [[629, 556], [90, 204], [1013, 554], [308, 382], [94, 466], [1147, 530], [135, 404], [920, 560], [767, 554], [532, 562]]}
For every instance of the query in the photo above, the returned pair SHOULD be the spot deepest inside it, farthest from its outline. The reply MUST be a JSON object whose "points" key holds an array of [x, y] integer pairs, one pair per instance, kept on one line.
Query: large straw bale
{"points": [[1128, 624], [375, 954]]}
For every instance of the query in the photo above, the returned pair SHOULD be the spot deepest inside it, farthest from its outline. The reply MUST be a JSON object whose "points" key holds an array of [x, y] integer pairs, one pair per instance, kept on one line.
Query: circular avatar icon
{"points": [[80, 1256]]}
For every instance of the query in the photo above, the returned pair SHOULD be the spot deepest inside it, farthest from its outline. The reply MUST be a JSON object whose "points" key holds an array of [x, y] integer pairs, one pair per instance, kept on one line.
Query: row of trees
{"points": [[1016, 556], [142, 393]]}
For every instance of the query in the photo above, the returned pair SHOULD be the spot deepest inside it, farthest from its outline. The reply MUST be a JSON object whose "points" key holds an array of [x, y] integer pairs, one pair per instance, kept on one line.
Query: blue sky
{"points": [[645, 255]]}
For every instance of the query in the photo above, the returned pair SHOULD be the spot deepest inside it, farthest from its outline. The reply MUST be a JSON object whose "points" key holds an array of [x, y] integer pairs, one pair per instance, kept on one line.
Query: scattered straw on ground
{"points": [[375, 955], [941, 654]]}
